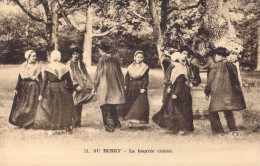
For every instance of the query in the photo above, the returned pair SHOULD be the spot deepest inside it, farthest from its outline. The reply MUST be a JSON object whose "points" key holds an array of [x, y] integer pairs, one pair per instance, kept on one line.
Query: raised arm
{"points": [[146, 79], [74, 81], [197, 63], [120, 72], [44, 82], [98, 74], [68, 80], [127, 79], [17, 87], [180, 81], [166, 63], [39, 77], [211, 77]]}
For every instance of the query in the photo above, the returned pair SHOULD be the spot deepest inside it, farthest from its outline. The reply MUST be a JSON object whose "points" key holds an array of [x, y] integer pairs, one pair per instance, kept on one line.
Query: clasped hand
{"points": [[142, 90], [94, 91], [40, 98], [174, 97], [78, 88]]}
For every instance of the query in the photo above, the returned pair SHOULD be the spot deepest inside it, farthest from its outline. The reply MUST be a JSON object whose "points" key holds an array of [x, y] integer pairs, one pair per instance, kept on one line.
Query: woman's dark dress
{"points": [[25, 102], [56, 109], [137, 105], [176, 114]]}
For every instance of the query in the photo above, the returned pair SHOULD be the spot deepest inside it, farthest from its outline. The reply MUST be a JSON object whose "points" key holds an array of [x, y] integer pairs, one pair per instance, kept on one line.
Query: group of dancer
{"points": [[51, 96]]}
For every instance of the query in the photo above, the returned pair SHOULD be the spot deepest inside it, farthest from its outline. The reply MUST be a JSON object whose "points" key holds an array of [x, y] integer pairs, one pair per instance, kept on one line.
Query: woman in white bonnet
{"points": [[175, 114], [26, 92], [56, 109], [136, 108]]}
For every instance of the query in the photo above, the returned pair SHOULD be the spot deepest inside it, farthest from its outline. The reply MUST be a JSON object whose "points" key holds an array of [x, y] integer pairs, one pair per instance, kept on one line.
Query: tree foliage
{"points": [[132, 21]]}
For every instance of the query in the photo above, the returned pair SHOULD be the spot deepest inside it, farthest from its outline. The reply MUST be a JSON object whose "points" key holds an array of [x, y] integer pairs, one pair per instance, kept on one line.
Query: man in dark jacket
{"points": [[224, 88], [109, 86]]}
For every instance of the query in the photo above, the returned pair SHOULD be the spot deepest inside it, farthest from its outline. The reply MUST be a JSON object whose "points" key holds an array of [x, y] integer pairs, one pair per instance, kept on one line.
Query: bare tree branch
{"points": [[186, 8], [28, 13], [104, 33], [65, 17], [73, 7]]}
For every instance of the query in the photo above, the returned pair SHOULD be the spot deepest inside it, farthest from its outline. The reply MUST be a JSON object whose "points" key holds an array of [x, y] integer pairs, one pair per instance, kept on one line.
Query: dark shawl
{"points": [[224, 87]]}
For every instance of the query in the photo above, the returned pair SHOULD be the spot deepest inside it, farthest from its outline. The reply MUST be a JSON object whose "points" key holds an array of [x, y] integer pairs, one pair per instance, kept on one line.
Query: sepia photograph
{"points": [[130, 82]]}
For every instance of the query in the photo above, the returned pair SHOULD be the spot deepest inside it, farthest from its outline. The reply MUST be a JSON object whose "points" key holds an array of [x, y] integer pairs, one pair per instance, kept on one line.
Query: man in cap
{"points": [[109, 86]]}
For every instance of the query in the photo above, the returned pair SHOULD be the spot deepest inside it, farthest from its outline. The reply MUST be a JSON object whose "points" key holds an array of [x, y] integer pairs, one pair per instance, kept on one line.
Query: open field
{"points": [[20, 146]]}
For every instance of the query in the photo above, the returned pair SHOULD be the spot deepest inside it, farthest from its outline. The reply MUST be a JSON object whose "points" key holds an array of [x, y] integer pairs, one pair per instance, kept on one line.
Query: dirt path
{"points": [[31, 147]]}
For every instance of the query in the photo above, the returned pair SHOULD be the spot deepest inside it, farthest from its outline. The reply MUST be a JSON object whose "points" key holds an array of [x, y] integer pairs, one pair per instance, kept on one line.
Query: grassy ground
{"points": [[20, 146]]}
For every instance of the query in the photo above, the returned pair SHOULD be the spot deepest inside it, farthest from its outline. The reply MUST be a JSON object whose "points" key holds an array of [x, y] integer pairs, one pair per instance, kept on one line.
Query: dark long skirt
{"points": [[175, 115], [24, 104], [56, 109], [137, 108]]}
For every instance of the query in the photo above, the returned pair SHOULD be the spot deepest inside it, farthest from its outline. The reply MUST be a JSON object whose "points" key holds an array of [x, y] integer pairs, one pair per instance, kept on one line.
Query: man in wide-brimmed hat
{"points": [[224, 88], [109, 86], [83, 85]]}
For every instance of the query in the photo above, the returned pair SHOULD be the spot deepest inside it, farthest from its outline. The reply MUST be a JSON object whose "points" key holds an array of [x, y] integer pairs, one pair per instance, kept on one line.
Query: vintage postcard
{"points": [[138, 82]]}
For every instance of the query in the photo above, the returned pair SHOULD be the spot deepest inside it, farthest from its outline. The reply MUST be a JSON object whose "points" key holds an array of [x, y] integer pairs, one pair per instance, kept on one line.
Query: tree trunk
{"points": [[258, 46], [158, 39], [164, 15], [55, 25], [49, 26], [28, 25], [49, 35], [87, 46], [218, 24]]}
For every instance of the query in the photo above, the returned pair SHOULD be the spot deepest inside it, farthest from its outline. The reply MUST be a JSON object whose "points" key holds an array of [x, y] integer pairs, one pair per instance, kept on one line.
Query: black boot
{"points": [[69, 129], [79, 113], [216, 125], [113, 114], [108, 126], [117, 124]]}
